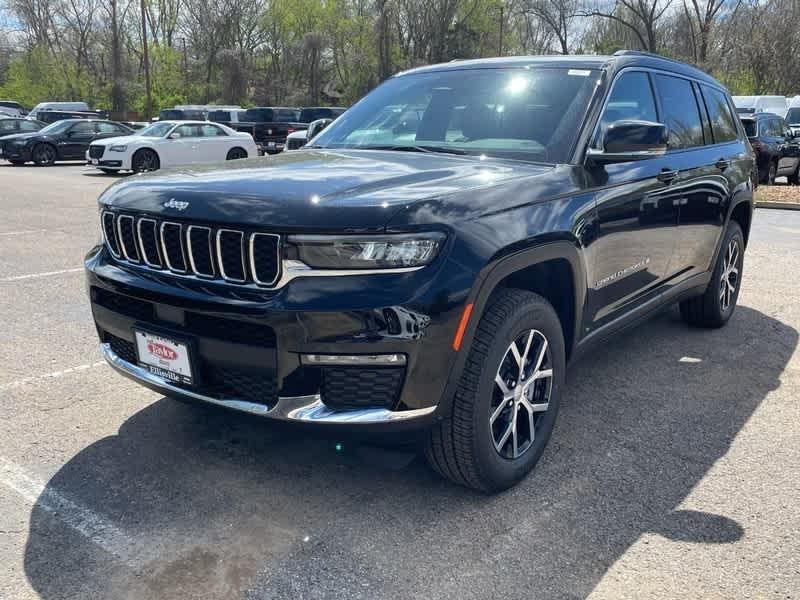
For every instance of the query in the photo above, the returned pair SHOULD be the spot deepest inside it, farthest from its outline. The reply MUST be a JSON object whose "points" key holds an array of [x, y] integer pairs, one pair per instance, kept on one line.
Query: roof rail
{"points": [[648, 54]]}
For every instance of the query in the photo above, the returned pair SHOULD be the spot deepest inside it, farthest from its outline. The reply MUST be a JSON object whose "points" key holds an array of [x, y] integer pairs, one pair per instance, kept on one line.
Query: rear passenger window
{"points": [[631, 99], [680, 112], [723, 125]]}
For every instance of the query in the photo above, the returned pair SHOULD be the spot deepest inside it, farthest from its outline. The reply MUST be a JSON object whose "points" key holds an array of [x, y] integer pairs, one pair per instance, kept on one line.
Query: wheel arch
{"points": [[742, 213], [534, 269], [143, 148]]}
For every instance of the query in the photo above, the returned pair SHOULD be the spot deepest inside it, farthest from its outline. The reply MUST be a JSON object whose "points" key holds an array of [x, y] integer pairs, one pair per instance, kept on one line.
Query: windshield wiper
{"points": [[414, 148]]}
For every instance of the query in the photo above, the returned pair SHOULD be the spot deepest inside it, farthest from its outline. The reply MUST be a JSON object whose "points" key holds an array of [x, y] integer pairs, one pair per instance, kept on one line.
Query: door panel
{"points": [[76, 141]]}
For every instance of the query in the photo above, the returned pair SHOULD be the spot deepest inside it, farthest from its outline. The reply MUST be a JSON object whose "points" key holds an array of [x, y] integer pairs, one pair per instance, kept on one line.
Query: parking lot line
{"points": [[53, 375], [37, 275], [88, 523], [24, 232]]}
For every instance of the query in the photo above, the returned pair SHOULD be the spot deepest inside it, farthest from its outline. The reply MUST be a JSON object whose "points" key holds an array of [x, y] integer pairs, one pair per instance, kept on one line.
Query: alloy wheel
{"points": [[45, 154], [730, 275], [146, 161], [520, 394]]}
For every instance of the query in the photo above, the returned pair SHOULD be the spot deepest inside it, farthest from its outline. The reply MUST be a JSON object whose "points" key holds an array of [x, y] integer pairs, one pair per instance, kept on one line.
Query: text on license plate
{"points": [[164, 357]]}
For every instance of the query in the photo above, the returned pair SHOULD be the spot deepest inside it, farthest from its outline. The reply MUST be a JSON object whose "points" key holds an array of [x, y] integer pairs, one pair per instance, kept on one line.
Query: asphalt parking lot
{"points": [[674, 470]]}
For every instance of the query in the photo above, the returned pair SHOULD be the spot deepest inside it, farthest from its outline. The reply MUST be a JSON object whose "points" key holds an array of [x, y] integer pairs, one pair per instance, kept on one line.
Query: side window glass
{"points": [[211, 131], [28, 126], [83, 128], [723, 125], [7, 125], [107, 128], [186, 131], [681, 114], [631, 98]]}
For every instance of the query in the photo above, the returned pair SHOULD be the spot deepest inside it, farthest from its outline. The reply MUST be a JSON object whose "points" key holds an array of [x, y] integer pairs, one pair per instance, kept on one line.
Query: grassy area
{"points": [[779, 192]]}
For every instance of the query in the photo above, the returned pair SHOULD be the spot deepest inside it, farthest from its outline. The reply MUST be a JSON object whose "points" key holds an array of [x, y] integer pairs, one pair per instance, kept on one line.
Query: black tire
{"points": [[236, 154], [17, 163], [44, 155], [109, 171], [462, 447], [772, 172], [710, 310], [794, 178], [145, 160]]}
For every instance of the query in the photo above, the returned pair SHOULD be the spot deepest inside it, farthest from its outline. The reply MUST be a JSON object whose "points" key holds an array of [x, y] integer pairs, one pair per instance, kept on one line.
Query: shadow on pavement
{"points": [[209, 504]]}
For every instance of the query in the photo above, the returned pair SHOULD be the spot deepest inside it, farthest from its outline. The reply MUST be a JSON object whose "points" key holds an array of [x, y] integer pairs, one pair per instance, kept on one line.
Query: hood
{"points": [[23, 136], [317, 190], [121, 139]]}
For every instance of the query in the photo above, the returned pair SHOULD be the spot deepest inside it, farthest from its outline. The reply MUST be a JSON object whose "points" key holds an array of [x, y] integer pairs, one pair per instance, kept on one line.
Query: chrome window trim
{"points": [[121, 241], [278, 261], [164, 246], [210, 251], [241, 253], [159, 264], [114, 253]]}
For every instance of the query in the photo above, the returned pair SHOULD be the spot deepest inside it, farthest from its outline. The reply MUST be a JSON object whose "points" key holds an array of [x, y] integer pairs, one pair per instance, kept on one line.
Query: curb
{"points": [[780, 205]]}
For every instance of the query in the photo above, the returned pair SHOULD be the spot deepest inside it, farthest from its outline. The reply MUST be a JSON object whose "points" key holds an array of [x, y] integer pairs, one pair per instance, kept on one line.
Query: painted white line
{"points": [[85, 521], [25, 232], [37, 275], [53, 375]]}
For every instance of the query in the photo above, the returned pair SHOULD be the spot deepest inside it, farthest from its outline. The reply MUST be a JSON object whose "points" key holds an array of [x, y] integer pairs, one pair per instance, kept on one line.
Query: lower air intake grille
{"points": [[122, 348], [356, 387], [96, 151]]}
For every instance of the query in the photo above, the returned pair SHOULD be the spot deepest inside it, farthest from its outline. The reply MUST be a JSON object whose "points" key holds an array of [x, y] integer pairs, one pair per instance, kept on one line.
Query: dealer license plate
{"points": [[95, 161], [164, 357]]}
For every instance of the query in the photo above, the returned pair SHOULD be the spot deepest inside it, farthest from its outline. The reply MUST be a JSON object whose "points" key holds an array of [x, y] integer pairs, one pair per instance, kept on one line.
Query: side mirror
{"points": [[316, 126], [626, 141], [174, 136]]}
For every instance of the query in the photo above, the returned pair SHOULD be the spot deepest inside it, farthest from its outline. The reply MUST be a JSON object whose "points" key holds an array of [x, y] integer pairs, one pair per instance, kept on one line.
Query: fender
{"points": [[487, 281]]}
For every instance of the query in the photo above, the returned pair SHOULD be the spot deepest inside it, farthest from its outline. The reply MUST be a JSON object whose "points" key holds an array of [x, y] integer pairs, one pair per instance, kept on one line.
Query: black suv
{"points": [[441, 277], [63, 140], [777, 152]]}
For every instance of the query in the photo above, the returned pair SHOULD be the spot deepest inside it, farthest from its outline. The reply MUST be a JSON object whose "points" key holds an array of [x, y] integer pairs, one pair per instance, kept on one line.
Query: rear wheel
{"points": [[507, 399], [714, 307], [236, 154], [44, 155], [772, 172], [145, 160]]}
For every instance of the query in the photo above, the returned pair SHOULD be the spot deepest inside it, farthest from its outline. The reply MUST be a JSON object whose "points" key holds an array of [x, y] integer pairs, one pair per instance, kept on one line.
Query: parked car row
{"points": [[776, 146]]}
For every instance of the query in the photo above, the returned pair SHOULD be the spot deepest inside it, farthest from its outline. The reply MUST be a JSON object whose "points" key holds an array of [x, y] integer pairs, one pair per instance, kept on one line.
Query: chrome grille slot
{"points": [[199, 244], [172, 246], [230, 254], [110, 233], [127, 238], [148, 242], [265, 257], [96, 151], [199, 251]]}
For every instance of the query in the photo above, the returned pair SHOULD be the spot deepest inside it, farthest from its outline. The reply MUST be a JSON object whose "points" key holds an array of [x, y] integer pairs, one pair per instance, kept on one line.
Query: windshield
{"points": [[57, 127], [750, 128], [527, 114], [159, 129], [793, 116]]}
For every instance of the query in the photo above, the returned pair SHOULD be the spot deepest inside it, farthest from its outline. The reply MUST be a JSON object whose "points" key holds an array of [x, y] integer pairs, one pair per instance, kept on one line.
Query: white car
{"points": [[169, 144]]}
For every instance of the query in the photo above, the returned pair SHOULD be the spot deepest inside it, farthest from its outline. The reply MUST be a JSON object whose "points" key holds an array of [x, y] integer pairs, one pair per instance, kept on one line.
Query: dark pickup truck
{"points": [[269, 126]]}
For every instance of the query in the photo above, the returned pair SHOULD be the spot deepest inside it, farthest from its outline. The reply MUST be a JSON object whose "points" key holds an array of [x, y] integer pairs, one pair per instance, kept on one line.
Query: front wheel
{"points": [[506, 402], [714, 307], [43, 155], [145, 160]]}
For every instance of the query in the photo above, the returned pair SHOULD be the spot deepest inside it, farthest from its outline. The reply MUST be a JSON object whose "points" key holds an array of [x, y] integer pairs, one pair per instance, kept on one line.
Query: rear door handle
{"points": [[667, 176], [722, 164]]}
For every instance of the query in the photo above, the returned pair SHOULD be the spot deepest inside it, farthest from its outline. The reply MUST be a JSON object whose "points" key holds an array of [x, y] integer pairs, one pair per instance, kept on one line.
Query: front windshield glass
{"points": [[159, 129], [528, 114], [57, 127], [793, 116]]}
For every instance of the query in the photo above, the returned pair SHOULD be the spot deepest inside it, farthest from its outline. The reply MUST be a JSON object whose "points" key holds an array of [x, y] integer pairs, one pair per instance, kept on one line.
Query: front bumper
{"points": [[11, 152], [245, 342]]}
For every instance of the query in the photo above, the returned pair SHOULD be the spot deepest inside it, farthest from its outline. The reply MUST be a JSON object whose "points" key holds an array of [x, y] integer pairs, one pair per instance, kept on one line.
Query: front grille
{"points": [[356, 387], [235, 256], [215, 381], [96, 151]]}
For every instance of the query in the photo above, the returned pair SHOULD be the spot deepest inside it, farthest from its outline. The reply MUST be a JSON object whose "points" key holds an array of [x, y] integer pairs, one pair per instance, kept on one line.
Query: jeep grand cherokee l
{"points": [[438, 272]]}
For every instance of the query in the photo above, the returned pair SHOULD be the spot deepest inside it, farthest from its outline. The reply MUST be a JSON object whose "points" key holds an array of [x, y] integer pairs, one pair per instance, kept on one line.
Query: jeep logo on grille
{"points": [[176, 204], [161, 351]]}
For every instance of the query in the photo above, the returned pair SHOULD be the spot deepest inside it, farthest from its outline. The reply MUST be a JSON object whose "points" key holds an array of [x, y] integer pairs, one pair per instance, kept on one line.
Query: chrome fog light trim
{"points": [[353, 359]]}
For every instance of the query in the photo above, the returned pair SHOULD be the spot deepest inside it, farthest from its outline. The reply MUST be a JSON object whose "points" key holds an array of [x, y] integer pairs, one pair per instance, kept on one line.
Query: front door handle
{"points": [[667, 176], [722, 164]]}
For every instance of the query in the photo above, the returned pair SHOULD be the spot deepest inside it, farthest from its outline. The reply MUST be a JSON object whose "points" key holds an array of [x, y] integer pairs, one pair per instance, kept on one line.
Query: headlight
{"points": [[118, 148], [365, 252]]}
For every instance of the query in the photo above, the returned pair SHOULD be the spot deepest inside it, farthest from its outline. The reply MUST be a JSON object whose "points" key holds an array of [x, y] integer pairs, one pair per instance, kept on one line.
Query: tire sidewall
{"points": [[35, 155], [501, 471], [137, 157]]}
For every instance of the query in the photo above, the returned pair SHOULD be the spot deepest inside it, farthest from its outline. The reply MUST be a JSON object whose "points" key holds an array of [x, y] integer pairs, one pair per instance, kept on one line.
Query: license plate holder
{"points": [[165, 355]]}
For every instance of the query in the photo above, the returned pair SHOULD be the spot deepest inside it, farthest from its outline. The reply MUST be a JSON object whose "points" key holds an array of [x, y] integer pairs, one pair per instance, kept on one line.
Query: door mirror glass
{"points": [[629, 140], [174, 136]]}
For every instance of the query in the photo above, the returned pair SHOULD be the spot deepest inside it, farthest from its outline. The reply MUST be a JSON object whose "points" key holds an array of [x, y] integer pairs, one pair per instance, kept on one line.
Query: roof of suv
{"points": [[620, 60]]}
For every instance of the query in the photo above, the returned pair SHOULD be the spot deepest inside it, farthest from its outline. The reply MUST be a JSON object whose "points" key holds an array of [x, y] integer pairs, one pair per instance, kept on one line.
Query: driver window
{"points": [[631, 98], [187, 131], [83, 128]]}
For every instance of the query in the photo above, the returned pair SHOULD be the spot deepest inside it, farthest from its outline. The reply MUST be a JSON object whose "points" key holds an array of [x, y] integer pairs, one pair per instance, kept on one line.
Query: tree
{"points": [[641, 17]]}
